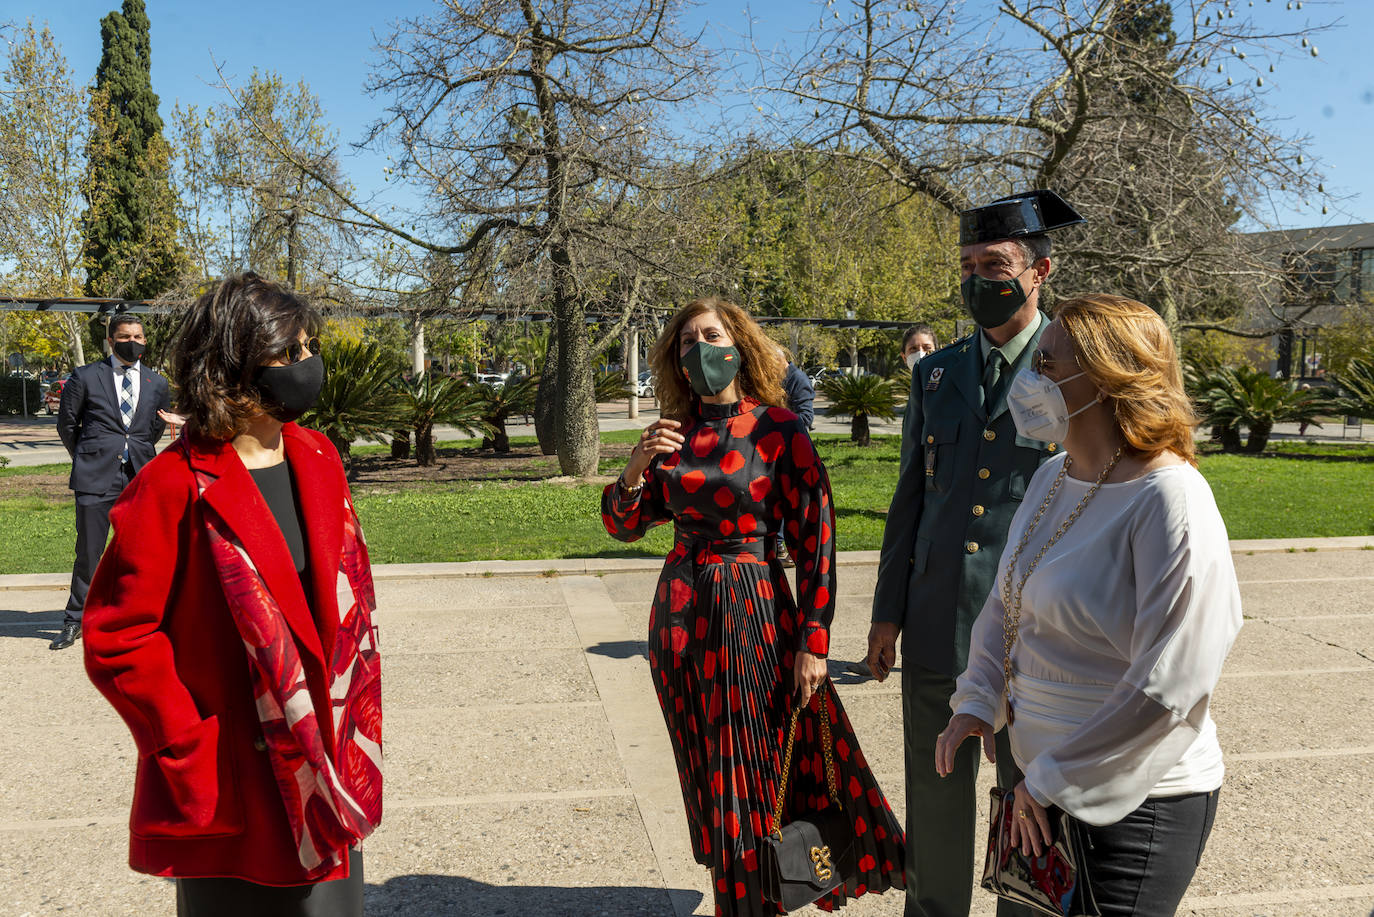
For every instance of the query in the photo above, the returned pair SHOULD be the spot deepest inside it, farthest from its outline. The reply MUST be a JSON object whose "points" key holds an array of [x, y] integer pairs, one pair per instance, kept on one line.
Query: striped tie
{"points": [[126, 407]]}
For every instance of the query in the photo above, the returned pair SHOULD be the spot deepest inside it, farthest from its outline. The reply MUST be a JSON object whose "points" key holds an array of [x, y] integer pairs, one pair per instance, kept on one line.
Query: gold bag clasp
{"points": [[820, 863]]}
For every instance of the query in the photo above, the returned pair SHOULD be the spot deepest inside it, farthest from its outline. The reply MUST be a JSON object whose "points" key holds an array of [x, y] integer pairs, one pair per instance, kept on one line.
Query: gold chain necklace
{"points": [[1011, 604]]}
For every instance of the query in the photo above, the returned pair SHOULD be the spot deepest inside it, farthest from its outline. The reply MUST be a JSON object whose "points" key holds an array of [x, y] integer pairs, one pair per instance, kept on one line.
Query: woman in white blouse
{"points": [[1115, 606]]}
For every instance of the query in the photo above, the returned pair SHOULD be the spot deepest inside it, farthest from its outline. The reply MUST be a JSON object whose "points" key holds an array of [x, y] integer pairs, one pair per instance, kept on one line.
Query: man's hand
{"points": [[962, 726], [882, 648]]}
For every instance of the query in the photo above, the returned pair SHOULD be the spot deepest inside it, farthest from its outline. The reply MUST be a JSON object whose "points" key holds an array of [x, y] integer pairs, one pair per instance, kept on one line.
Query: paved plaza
{"points": [[528, 770]]}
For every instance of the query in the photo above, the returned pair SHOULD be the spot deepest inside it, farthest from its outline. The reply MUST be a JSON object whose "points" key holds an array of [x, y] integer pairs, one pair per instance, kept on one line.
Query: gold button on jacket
{"points": [[971, 547]]}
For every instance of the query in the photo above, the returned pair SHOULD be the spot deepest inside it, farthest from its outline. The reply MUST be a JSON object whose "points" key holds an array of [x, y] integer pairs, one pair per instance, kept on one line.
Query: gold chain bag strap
{"points": [[1011, 601], [808, 858], [1054, 883]]}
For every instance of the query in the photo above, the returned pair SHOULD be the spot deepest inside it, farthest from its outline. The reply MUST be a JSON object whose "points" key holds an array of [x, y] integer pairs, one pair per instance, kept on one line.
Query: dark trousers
{"points": [[1142, 865], [240, 898], [92, 530], [945, 821]]}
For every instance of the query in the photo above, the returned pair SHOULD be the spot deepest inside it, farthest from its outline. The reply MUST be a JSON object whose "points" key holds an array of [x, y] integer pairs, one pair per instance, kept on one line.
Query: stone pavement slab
{"points": [[528, 771]]}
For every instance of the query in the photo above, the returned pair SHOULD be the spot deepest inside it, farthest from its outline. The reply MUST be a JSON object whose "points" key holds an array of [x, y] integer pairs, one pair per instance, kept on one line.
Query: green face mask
{"points": [[710, 369], [992, 302]]}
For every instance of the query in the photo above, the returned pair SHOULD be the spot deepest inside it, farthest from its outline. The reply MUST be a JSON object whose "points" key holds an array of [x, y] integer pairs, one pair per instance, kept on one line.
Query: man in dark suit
{"points": [[110, 421], [963, 473]]}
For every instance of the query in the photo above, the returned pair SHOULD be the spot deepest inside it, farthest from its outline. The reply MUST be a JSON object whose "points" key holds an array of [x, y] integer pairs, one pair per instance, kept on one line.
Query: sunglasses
{"points": [[299, 350], [1041, 361]]}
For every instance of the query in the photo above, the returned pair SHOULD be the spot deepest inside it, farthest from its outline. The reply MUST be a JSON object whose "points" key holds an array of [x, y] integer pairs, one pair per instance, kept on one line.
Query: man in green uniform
{"points": [[963, 473]]}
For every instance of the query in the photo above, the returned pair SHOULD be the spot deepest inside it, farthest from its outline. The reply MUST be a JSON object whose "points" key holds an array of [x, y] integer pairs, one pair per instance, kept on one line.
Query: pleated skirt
{"points": [[727, 703]]}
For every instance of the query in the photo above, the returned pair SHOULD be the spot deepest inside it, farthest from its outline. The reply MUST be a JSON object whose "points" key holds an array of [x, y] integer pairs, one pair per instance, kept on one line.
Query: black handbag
{"points": [[808, 859], [1056, 882]]}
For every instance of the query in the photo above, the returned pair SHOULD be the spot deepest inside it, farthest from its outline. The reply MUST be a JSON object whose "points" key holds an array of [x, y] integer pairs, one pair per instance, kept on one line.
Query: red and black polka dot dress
{"points": [[722, 639]]}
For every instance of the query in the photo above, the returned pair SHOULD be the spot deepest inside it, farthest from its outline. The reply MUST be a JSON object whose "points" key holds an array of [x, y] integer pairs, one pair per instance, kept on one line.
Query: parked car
{"points": [[52, 398], [645, 386], [822, 373], [495, 380]]}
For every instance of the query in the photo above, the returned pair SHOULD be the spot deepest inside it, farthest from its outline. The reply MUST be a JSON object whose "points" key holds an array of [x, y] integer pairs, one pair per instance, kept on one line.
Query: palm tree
{"points": [[531, 348], [498, 405], [1232, 398], [359, 399], [1358, 382], [611, 386], [861, 397], [432, 399]]}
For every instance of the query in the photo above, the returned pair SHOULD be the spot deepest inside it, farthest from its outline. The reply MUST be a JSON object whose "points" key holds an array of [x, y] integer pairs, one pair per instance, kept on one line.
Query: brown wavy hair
{"points": [[240, 324], [1126, 350], [761, 372]]}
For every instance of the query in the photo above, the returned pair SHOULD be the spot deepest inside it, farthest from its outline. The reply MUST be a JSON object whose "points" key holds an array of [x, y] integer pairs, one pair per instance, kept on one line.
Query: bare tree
{"points": [[1148, 115], [537, 134]]}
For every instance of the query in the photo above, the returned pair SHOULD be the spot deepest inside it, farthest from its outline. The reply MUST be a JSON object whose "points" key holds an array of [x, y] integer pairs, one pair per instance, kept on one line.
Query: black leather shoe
{"points": [[71, 632]]}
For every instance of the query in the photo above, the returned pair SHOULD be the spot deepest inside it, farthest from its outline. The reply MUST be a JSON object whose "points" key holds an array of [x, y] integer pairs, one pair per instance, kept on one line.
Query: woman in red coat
{"points": [[233, 604]]}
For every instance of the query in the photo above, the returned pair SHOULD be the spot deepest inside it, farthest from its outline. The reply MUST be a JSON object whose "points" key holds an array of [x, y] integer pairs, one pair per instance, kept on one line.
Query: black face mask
{"points": [[289, 391], [128, 351], [992, 302]]}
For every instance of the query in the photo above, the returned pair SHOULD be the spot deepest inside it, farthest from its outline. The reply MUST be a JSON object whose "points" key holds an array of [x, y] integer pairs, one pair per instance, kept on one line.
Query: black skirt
{"points": [[238, 897]]}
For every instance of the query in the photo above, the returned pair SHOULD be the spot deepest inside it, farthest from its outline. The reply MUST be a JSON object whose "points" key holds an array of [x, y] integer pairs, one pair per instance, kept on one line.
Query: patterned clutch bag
{"points": [[1053, 883]]}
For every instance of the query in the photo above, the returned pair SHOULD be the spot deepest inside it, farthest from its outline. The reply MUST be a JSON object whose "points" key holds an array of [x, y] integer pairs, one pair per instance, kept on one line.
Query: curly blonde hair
{"points": [[761, 372], [1126, 350]]}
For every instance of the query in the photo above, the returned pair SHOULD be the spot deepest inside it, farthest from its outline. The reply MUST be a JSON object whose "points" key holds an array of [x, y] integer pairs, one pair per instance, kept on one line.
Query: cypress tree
{"points": [[130, 247]]}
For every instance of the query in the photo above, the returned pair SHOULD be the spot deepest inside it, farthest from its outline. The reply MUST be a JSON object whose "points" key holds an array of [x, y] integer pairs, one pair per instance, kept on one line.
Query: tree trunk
{"points": [[1259, 437], [1230, 438], [546, 399], [400, 444], [858, 429], [424, 444], [75, 333], [345, 447], [417, 346], [500, 439], [579, 439]]}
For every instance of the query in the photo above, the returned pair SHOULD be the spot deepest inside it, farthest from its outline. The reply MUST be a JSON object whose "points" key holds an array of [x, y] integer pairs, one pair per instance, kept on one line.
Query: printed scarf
{"points": [[332, 802]]}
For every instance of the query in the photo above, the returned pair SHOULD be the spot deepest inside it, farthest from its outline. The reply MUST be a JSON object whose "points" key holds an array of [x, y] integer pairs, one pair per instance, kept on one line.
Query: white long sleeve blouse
{"points": [[1125, 624]]}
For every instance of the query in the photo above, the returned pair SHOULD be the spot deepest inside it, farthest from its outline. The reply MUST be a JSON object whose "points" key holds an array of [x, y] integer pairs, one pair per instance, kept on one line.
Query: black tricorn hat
{"points": [[1012, 217]]}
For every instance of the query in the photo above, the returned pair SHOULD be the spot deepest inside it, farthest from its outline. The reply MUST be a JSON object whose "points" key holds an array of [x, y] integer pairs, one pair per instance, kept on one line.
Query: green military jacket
{"points": [[962, 478]]}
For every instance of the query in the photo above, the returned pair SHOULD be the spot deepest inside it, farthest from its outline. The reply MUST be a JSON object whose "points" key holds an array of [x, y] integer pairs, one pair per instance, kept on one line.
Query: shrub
{"points": [[861, 397]]}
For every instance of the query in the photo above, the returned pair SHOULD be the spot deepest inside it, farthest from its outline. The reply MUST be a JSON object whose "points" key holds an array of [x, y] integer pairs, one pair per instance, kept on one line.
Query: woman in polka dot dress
{"points": [[731, 652]]}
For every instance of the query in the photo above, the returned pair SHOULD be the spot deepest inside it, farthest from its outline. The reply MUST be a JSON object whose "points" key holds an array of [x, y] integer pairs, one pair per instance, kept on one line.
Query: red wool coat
{"points": [[161, 646]]}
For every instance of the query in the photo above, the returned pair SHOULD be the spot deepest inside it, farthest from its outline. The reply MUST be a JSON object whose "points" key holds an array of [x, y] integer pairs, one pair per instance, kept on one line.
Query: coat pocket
{"points": [[939, 446], [177, 790], [1026, 459]]}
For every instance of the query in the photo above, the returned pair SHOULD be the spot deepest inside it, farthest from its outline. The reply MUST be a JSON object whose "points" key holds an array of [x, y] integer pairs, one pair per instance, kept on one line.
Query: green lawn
{"points": [[1260, 497]]}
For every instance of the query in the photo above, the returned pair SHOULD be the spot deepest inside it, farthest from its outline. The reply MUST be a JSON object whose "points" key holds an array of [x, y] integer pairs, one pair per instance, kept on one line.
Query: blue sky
{"points": [[328, 43]]}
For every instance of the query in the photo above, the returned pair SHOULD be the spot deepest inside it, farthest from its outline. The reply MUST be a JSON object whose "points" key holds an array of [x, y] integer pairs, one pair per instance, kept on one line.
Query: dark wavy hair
{"points": [[242, 323]]}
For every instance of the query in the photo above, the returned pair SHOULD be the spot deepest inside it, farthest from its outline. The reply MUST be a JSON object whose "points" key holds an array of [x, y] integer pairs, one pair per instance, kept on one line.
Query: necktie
{"points": [[126, 407], [992, 377]]}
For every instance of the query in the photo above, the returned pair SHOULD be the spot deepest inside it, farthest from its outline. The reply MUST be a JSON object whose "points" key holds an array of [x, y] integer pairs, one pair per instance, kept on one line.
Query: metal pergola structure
{"points": [[110, 307]]}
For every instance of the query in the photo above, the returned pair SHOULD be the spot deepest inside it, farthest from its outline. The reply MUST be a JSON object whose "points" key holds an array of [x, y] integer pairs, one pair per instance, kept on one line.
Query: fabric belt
{"points": [[690, 553]]}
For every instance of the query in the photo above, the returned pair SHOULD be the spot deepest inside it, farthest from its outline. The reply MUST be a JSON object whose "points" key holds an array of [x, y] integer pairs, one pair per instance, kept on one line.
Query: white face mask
{"points": [[1037, 406], [913, 358]]}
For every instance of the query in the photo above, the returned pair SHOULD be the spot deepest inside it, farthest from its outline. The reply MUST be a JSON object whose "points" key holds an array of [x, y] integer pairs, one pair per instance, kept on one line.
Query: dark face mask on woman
{"points": [[289, 391], [710, 368]]}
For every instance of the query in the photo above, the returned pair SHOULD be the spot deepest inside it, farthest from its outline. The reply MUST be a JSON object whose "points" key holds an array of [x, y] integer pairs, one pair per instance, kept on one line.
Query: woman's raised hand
{"points": [[659, 438]]}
